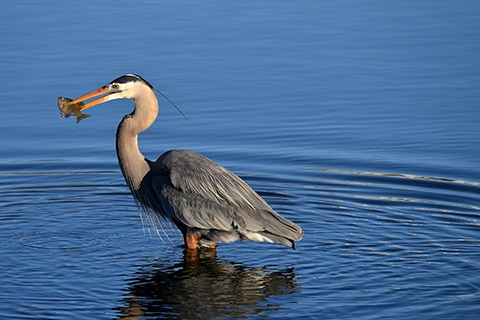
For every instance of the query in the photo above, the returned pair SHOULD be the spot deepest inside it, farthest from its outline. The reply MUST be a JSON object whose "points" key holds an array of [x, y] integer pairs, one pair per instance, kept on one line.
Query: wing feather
{"points": [[193, 173]]}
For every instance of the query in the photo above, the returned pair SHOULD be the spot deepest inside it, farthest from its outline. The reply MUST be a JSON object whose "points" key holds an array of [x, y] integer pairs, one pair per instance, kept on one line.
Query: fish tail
{"points": [[83, 116]]}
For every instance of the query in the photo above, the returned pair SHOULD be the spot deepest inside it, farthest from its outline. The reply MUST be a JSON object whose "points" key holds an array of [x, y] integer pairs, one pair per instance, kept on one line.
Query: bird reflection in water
{"points": [[205, 288]]}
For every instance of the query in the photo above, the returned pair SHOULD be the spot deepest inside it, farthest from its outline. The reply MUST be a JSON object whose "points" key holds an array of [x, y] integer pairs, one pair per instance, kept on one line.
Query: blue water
{"points": [[358, 120]]}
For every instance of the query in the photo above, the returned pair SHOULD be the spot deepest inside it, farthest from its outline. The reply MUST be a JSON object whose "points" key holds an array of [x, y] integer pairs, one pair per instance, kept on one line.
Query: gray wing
{"points": [[202, 194]]}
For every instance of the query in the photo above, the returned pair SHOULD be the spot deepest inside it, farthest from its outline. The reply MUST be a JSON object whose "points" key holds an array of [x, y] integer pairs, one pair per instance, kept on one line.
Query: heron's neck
{"points": [[132, 162]]}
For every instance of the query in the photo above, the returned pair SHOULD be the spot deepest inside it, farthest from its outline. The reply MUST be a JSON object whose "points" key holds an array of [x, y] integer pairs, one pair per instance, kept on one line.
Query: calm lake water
{"points": [[358, 120]]}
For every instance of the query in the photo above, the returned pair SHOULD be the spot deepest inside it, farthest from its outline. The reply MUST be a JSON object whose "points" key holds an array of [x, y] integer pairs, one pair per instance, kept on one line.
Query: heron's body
{"points": [[207, 202]]}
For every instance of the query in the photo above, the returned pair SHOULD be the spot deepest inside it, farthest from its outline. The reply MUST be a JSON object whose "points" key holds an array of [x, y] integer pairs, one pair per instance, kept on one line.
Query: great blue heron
{"points": [[207, 202]]}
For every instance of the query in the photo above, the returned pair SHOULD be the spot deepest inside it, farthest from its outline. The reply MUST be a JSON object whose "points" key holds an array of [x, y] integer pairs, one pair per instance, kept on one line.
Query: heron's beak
{"points": [[95, 93]]}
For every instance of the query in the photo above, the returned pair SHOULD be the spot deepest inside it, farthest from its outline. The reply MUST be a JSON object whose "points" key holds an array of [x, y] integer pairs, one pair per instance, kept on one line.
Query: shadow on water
{"points": [[206, 288]]}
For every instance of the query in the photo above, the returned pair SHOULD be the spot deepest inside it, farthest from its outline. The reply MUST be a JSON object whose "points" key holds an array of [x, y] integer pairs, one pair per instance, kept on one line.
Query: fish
{"points": [[67, 109]]}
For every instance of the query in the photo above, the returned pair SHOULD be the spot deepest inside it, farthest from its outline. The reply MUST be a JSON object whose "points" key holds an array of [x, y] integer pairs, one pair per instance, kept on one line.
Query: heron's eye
{"points": [[115, 86]]}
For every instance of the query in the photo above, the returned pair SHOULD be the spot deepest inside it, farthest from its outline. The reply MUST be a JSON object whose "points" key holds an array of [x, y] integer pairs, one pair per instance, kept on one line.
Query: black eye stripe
{"points": [[131, 78]]}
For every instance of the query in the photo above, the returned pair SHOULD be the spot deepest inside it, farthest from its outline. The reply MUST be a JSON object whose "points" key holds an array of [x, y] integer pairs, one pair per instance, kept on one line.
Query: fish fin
{"points": [[63, 115], [83, 116]]}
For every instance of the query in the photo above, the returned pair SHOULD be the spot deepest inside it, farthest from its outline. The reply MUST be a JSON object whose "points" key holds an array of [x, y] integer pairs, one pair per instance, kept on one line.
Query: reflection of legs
{"points": [[212, 250], [191, 258]]}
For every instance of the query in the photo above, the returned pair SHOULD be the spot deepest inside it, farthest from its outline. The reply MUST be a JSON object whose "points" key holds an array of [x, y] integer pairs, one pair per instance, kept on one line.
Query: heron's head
{"points": [[128, 86]]}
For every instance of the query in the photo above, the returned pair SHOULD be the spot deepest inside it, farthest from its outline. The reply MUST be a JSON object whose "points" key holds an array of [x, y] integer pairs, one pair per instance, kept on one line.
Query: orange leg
{"points": [[192, 254], [191, 240]]}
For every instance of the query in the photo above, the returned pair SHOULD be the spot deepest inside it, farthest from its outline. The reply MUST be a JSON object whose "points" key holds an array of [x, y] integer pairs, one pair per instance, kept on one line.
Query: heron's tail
{"points": [[267, 225]]}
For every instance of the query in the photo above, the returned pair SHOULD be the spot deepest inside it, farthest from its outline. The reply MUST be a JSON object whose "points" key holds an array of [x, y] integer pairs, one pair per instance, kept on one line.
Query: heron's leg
{"points": [[191, 240]]}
